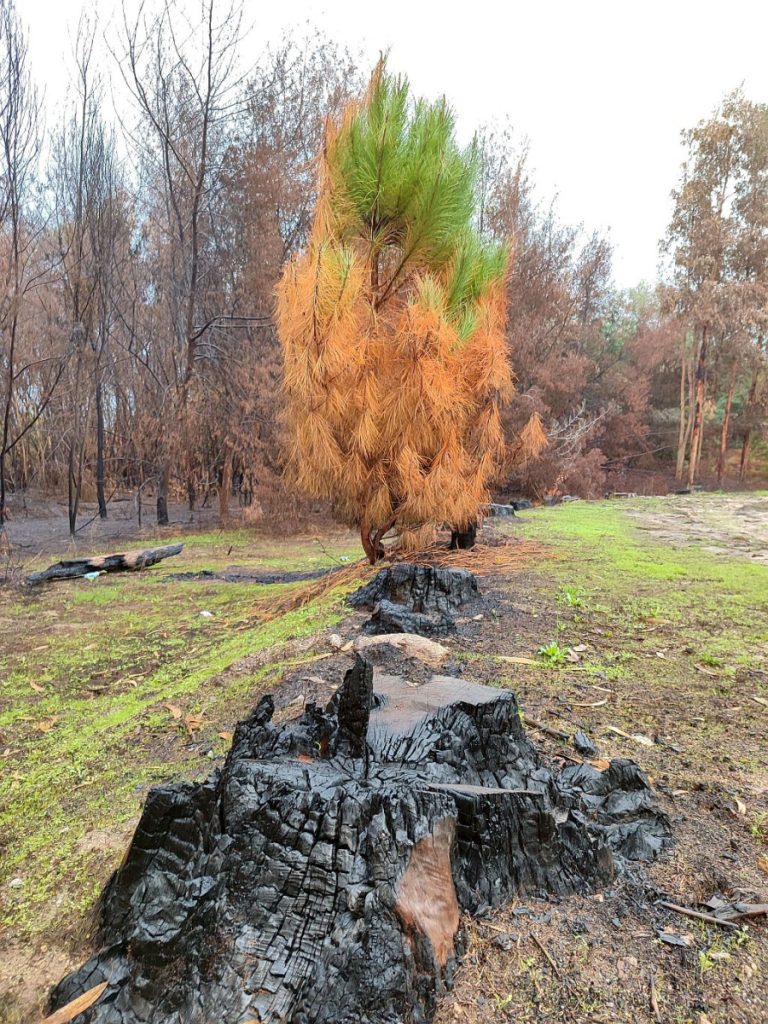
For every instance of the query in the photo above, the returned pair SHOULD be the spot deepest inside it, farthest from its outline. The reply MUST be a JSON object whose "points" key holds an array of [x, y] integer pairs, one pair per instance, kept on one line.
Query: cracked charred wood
{"points": [[320, 875], [126, 561], [409, 598]]}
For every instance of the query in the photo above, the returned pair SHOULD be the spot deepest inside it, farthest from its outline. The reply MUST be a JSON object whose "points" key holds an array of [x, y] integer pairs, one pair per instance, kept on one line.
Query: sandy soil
{"points": [[730, 524]]}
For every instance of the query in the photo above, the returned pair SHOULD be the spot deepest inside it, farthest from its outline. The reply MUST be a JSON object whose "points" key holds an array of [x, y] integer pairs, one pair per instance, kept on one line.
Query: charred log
{"points": [[320, 875], [126, 561]]}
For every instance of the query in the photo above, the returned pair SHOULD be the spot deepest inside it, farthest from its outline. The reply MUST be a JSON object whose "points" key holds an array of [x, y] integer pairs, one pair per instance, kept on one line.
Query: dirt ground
{"points": [[666, 601], [725, 524]]}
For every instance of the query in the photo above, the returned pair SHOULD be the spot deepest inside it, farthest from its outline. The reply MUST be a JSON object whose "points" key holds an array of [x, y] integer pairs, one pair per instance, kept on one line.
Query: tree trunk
{"points": [[191, 491], [3, 510], [100, 493], [162, 495], [74, 482], [685, 421], [698, 417], [724, 432], [226, 485], [747, 435], [372, 545]]}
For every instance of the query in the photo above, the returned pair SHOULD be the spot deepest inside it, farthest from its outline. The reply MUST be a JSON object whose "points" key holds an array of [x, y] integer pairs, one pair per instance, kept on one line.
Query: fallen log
{"points": [[126, 561], [319, 877]]}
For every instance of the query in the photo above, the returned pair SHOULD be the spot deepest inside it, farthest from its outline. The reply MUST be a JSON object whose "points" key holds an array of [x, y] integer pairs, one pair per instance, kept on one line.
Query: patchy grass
{"points": [[681, 631], [675, 651], [673, 647], [88, 669]]}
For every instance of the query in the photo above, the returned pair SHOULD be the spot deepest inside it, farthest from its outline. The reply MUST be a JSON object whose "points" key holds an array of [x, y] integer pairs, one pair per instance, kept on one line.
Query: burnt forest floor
{"points": [[647, 616]]}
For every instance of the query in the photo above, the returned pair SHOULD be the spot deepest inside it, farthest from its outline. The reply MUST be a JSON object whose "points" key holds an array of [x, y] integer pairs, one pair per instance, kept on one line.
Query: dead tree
{"points": [[19, 151], [183, 79]]}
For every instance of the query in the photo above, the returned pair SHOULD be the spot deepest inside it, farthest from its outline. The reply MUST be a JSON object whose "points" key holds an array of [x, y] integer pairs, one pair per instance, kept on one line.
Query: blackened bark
{"points": [[465, 539], [162, 496], [126, 561], [411, 598], [100, 474], [320, 875]]}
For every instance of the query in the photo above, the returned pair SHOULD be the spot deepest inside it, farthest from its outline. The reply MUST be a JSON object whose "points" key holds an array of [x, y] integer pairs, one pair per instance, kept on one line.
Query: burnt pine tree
{"points": [[392, 325]]}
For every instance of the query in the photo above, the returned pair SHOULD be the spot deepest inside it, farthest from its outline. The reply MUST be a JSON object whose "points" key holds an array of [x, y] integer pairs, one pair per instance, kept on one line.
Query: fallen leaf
{"points": [[76, 1006], [592, 704], [572, 656], [637, 737], [760, 700], [762, 863], [176, 712], [47, 724], [194, 723], [37, 687], [514, 660], [600, 763], [224, 735], [580, 648]]}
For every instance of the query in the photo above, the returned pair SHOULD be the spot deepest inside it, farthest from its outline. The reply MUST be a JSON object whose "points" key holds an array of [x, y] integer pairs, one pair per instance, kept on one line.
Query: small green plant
{"points": [[711, 661], [553, 654], [706, 963], [571, 596], [759, 827]]}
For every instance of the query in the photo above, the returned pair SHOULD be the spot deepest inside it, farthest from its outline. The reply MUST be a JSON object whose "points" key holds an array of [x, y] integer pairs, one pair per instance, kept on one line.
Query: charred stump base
{"points": [[320, 875], [408, 598]]}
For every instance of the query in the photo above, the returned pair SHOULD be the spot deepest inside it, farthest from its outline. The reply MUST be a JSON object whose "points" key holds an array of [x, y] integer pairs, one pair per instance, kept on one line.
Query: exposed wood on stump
{"points": [[127, 561], [320, 875], [409, 598]]}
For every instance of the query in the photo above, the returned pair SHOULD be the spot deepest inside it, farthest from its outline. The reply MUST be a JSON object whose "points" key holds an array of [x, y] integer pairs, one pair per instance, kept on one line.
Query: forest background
{"points": [[139, 257]]}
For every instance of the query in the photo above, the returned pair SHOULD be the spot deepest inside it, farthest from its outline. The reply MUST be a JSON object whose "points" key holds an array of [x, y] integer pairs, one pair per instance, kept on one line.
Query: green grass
{"points": [[95, 664], [99, 661], [722, 600]]}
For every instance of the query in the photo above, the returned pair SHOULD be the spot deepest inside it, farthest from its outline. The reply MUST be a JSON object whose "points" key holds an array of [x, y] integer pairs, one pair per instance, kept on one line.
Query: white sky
{"points": [[601, 88]]}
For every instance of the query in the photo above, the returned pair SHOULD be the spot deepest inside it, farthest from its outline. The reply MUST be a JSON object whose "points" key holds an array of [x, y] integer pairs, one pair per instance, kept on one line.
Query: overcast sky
{"points": [[600, 88]]}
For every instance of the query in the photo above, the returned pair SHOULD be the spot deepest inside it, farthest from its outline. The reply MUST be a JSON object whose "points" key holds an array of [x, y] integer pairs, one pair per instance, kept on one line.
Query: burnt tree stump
{"points": [[319, 876], [409, 598], [464, 539]]}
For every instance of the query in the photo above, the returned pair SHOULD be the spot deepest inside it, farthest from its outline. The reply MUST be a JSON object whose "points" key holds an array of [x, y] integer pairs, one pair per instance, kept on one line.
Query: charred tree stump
{"points": [[320, 875], [408, 598], [126, 561], [464, 539]]}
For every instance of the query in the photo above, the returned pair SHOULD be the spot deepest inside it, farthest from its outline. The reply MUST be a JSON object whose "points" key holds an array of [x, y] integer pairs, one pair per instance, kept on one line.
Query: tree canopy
{"points": [[392, 324]]}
